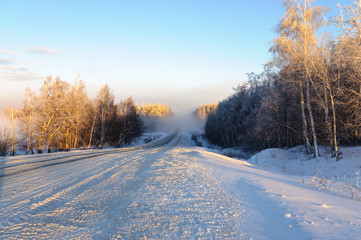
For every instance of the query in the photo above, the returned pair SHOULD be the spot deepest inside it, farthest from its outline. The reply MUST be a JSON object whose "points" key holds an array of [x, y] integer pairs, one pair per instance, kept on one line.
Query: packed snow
{"points": [[178, 191]]}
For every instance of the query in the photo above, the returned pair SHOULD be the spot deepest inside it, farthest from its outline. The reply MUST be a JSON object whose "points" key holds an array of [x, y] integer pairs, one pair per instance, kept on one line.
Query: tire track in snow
{"points": [[173, 197], [24, 166], [64, 194], [35, 186], [77, 209], [160, 193], [34, 178]]}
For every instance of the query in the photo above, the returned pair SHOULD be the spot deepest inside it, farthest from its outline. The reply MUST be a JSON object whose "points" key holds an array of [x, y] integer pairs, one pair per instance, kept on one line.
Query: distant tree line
{"points": [[155, 110], [156, 117], [310, 93], [204, 110], [61, 117]]}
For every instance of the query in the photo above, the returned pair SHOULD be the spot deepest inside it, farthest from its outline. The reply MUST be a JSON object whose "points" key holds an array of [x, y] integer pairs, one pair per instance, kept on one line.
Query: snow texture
{"points": [[173, 191]]}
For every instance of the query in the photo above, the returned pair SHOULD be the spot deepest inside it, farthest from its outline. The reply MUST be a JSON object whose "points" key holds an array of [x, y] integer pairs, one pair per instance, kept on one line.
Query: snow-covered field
{"points": [[176, 191]]}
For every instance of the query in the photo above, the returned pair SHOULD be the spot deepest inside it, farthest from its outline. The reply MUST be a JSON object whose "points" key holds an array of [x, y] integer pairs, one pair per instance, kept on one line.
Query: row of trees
{"points": [[157, 110], [61, 116], [156, 117], [310, 93], [204, 110]]}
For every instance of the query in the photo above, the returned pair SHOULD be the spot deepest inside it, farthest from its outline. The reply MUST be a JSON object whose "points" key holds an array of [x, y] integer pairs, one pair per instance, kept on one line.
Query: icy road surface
{"points": [[167, 190]]}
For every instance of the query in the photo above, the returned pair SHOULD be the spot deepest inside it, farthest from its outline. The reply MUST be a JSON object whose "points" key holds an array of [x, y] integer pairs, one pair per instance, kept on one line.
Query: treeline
{"points": [[155, 110], [204, 110], [62, 116], [156, 117], [310, 93]]}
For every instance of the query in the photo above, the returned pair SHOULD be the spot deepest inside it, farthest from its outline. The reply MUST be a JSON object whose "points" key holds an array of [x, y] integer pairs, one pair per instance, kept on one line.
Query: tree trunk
{"points": [[327, 120], [123, 132], [313, 128], [304, 121], [334, 128], [30, 133], [76, 138], [102, 129], [91, 131]]}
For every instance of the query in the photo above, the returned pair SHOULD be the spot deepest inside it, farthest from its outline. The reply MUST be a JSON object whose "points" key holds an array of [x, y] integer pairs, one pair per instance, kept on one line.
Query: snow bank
{"points": [[295, 161], [281, 205], [272, 157], [342, 178]]}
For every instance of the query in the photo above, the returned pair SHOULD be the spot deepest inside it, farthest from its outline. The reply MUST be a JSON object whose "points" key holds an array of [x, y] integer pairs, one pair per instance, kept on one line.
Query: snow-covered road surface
{"points": [[167, 192], [145, 193]]}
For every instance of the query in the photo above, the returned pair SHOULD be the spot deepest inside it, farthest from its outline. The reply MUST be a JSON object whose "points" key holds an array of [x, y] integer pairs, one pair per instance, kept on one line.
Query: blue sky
{"points": [[182, 53]]}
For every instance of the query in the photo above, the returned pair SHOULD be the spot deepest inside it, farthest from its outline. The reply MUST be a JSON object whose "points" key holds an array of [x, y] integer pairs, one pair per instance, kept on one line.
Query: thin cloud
{"points": [[41, 50], [6, 61], [7, 52], [14, 68], [19, 76]]}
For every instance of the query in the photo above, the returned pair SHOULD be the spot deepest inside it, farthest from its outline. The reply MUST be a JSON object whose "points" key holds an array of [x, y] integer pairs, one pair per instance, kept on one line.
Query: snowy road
{"points": [[167, 190], [157, 192]]}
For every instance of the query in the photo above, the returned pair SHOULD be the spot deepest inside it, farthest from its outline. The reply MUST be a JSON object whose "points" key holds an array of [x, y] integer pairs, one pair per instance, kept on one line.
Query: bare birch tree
{"points": [[106, 111], [75, 114], [129, 123], [25, 119], [297, 45], [49, 108]]}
